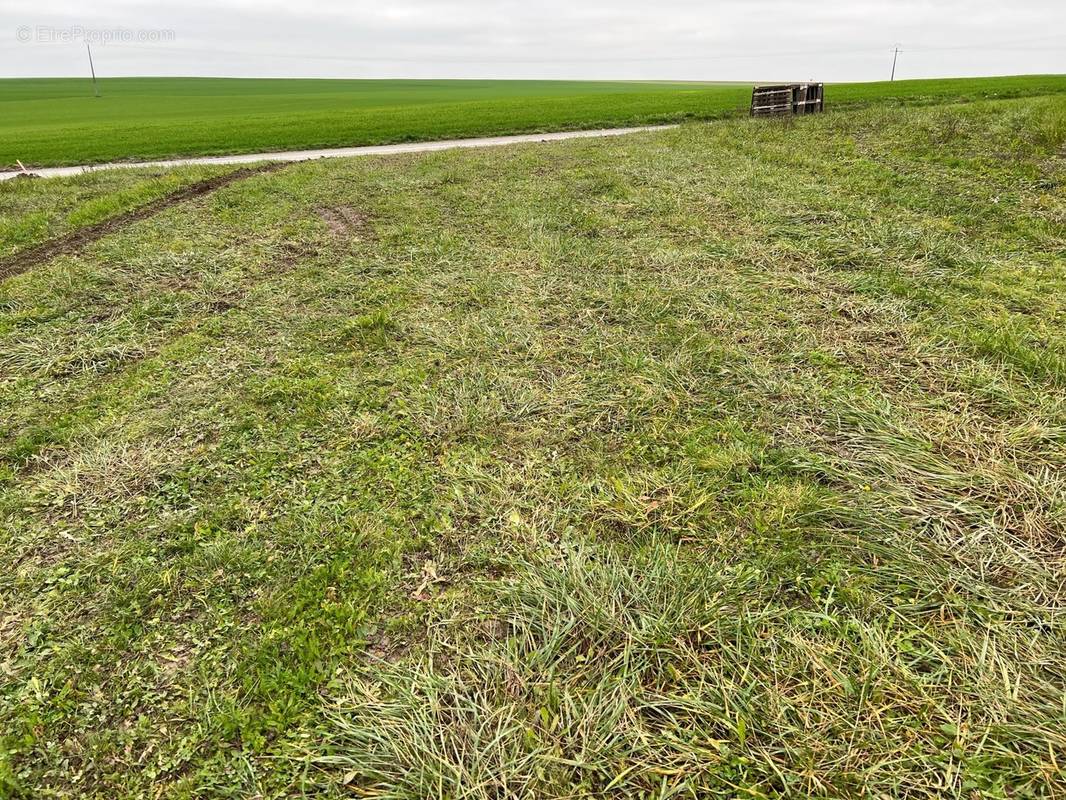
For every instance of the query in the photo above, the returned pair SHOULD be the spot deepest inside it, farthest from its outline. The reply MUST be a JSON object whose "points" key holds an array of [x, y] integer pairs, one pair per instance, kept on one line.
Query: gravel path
{"points": [[339, 152]]}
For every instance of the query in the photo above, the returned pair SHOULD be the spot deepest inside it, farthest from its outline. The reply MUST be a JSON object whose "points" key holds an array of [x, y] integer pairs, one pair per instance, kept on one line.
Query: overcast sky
{"points": [[635, 39]]}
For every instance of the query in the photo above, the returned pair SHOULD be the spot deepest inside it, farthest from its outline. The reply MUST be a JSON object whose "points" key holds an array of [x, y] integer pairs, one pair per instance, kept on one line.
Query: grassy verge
{"points": [[32, 211], [57, 121], [727, 459]]}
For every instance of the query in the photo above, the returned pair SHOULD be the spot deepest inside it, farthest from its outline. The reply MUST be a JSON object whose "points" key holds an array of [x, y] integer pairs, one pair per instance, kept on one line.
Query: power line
{"points": [[493, 59], [719, 56], [92, 69]]}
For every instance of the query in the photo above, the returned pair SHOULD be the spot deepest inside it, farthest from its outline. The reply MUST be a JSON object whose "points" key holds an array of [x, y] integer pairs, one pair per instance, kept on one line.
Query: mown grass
{"points": [[729, 460], [31, 214], [58, 121]]}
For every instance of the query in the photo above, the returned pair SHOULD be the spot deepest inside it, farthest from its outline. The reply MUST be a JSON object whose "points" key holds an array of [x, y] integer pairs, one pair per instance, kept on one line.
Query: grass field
{"points": [[46, 122], [29, 215], [723, 461]]}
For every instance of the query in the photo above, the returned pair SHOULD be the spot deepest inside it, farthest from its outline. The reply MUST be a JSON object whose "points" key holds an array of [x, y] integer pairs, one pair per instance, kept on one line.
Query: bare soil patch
{"points": [[346, 221]]}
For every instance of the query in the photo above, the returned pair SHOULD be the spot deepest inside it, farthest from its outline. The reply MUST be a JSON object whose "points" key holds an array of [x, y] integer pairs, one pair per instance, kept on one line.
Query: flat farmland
{"points": [[726, 460], [53, 122]]}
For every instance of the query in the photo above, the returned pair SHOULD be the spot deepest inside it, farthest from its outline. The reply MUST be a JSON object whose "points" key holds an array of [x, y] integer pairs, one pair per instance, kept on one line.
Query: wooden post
{"points": [[92, 69]]}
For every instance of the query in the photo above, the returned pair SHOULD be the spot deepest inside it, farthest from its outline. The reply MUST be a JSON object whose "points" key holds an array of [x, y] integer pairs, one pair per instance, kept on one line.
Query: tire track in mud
{"points": [[74, 241]]}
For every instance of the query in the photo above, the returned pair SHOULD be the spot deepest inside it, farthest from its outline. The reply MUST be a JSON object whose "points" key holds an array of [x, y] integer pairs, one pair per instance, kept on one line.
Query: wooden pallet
{"points": [[788, 98]]}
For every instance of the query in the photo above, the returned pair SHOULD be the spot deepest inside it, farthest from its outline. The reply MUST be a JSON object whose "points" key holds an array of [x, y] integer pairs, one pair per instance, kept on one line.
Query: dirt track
{"points": [[340, 152], [74, 241]]}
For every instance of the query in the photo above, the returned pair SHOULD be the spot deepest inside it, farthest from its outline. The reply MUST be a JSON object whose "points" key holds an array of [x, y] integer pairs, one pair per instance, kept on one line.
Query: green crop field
{"points": [[723, 461], [47, 122]]}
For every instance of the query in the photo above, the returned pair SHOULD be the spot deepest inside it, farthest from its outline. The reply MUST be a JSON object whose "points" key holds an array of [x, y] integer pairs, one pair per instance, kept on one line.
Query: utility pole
{"points": [[92, 69], [895, 58]]}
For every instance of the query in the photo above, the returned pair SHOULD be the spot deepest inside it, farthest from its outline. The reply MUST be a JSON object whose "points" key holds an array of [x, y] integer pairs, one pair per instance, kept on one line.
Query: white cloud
{"points": [[671, 39]]}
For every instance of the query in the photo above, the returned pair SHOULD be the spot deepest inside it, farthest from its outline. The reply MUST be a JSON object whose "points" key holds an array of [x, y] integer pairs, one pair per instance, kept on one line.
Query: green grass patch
{"points": [[31, 212], [727, 460], [57, 121]]}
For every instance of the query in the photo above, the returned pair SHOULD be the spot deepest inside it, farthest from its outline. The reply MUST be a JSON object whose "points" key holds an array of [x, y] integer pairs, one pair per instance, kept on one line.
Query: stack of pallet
{"points": [[789, 98]]}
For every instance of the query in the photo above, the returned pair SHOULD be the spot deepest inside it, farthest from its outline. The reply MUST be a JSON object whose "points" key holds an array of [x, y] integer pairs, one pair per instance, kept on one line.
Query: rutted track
{"points": [[74, 241]]}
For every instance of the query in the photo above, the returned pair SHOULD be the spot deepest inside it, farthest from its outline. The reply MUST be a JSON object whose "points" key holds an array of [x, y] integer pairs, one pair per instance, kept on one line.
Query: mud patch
{"points": [[347, 222], [289, 255], [74, 241]]}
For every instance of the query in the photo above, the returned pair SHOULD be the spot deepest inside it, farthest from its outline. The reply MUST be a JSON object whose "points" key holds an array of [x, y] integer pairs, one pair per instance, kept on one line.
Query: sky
{"points": [[705, 40]]}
